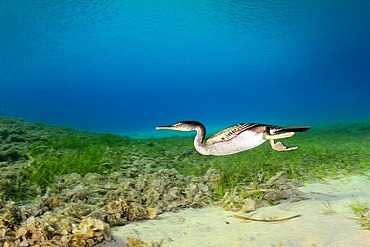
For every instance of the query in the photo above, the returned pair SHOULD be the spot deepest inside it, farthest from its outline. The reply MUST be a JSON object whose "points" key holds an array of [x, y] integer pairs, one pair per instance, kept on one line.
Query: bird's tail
{"points": [[294, 129]]}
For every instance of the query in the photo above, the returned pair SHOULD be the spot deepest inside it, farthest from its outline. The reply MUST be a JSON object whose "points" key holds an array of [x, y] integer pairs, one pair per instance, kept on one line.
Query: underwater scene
{"points": [[184, 123]]}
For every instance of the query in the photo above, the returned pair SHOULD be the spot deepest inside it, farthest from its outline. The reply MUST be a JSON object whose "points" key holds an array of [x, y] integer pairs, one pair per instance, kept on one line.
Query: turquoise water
{"points": [[128, 66]]}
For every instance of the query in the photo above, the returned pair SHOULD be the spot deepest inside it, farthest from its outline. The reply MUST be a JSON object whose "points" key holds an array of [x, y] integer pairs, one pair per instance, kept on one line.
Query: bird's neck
{"points": [[199, 140]]}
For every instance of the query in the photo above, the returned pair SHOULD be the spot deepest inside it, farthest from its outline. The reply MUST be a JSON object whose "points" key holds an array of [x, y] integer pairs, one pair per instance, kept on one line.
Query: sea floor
{"points": [[326, 220], [62, 187]]}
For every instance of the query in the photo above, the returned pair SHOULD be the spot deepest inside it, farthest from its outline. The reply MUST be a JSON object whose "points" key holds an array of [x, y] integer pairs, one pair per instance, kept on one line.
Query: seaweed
{"points": [[64, 181], [362, 211], [267, 220]]}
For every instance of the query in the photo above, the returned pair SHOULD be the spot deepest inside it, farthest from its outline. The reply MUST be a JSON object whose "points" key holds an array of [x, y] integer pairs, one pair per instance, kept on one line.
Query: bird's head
{"points": [[182, 126]]}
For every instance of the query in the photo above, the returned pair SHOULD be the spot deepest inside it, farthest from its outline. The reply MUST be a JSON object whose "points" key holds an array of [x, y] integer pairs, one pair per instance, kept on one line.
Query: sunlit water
{"points": [[127, 66]]}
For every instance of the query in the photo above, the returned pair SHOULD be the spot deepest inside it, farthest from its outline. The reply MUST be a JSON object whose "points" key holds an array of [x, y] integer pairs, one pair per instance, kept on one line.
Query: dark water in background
{"points": [[127, 66]]}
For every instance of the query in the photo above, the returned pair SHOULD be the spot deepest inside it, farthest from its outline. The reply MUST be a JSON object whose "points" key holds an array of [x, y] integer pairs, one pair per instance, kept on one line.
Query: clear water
{"points": [[127, 66]]}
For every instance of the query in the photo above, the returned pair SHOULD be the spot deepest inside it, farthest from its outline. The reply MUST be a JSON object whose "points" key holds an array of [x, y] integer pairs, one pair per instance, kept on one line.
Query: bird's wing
{"points": [[233, 131]]}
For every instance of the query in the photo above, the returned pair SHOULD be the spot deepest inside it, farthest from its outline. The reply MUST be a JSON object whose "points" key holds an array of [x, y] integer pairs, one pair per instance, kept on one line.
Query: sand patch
{"points": [[325, 221]]}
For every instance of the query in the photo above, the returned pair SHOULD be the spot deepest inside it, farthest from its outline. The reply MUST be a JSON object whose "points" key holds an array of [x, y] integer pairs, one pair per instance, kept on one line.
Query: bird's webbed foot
{"points": [[279, 146]]}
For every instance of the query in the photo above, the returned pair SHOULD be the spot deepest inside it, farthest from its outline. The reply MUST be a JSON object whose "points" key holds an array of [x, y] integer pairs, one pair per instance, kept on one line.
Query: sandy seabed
{"points": [[326, 220]]}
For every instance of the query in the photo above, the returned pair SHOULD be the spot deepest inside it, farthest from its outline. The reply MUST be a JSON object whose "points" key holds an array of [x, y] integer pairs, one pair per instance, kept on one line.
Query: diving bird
{"points": [[237, 138]]}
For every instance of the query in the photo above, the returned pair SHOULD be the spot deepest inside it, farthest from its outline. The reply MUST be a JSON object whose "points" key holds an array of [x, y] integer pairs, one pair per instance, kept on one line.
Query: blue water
{"points": [[127, 66]]}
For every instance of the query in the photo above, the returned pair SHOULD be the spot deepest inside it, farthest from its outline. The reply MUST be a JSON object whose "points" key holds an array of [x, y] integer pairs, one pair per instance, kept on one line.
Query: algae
{"points": [[362, 212]]}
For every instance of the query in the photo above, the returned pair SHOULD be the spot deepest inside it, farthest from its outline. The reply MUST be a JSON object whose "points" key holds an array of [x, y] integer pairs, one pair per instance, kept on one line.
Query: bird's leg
{"points": [[278, 136]]}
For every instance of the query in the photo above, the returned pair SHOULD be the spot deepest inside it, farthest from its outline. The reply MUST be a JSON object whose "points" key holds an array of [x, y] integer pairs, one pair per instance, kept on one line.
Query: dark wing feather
{"points": [[233, 131]]}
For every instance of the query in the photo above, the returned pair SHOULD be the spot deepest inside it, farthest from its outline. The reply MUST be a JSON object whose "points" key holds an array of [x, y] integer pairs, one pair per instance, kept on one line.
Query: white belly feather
{"points": [[244, 141]]}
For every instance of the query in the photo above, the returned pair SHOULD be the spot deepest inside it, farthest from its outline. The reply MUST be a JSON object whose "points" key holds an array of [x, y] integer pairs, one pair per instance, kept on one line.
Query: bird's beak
{"points": [[171, 127]]}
